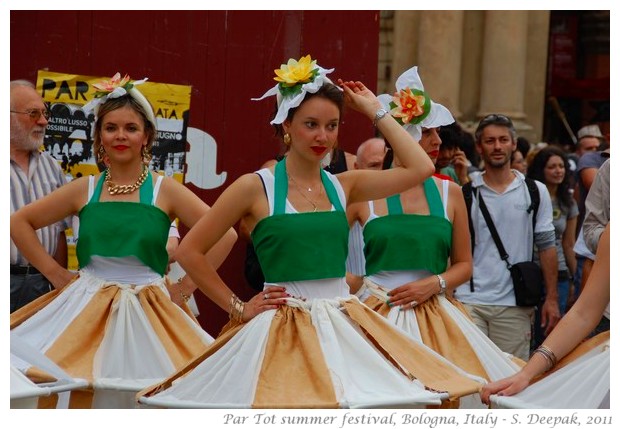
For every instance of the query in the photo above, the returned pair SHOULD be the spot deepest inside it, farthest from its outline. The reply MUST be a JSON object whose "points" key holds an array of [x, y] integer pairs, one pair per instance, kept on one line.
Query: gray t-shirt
{"points": [[560, 217]]}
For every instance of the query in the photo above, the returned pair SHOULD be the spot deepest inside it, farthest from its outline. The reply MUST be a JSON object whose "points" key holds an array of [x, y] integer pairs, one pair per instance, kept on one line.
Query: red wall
{"points": [[226, 56]]}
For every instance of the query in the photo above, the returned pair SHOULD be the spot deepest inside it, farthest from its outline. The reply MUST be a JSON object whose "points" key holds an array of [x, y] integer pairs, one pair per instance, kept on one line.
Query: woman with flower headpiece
{"points": [[114, 324], [304, 341], [417, 249]]}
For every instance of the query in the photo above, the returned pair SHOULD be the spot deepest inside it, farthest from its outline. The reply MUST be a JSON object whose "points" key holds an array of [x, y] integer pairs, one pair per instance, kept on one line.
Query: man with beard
{"points": [[490, 296], [34, 174]]}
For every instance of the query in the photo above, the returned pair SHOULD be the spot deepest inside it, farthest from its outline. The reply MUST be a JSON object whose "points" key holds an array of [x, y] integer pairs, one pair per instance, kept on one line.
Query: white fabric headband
{"points": [[412, 107], [296, 78], [117, 87]]}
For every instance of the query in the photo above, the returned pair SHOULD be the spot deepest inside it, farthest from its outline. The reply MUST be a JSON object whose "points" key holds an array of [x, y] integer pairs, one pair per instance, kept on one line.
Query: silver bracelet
{"points": [[549, 356], [379, 115]]}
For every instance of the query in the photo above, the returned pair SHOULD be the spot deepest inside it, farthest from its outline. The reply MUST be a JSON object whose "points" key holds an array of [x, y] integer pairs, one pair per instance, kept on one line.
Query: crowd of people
{"points": [[385, 278]]}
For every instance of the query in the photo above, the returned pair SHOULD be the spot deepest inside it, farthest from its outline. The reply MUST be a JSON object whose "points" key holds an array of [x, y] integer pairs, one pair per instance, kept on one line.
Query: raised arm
{"points": [[364, 185]]}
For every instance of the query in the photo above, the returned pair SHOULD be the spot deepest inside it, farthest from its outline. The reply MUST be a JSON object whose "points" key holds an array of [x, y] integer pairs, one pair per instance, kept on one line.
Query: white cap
{"points": [[589, 131]]}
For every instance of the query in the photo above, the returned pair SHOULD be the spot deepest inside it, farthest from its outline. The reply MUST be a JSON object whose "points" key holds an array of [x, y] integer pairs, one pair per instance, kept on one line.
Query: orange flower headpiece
{"points": [[412, 107], [117, 87]]}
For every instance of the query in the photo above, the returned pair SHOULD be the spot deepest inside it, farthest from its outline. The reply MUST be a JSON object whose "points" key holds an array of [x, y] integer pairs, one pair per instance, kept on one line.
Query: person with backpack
{"points": [[508, 197]]}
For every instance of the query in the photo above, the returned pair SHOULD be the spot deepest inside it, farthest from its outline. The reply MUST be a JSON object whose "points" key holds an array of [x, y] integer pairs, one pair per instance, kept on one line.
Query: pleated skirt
{"points": [[444, 325], [321, 353], [120, 338]]}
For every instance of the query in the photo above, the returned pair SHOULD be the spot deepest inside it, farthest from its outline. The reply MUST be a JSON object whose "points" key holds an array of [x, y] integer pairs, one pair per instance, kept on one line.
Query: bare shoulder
{"points": [[249, 182], [79, 185]]}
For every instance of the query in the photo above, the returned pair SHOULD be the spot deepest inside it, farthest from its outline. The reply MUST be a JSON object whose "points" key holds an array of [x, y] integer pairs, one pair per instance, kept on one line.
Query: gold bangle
{"points": [[236, 309]]}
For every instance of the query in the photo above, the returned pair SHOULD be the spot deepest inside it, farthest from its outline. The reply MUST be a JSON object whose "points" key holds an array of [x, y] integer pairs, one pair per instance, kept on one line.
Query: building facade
{"points": [[511, 62]]}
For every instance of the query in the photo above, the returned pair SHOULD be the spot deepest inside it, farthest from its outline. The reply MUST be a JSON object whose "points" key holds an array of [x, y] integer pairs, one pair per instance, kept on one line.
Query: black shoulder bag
{"points": [[527, 277]]}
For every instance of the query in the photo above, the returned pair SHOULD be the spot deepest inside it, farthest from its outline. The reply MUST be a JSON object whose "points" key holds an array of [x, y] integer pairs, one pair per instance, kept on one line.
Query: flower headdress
{"points": [[295, 79], [117, 87], [412, 107]]}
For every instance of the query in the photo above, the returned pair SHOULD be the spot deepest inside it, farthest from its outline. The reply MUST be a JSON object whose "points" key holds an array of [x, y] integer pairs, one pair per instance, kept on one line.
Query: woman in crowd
{"points": [[417, 249], [550, 166], [114, 324], [304, 342], [518, 161], [564, 372]]}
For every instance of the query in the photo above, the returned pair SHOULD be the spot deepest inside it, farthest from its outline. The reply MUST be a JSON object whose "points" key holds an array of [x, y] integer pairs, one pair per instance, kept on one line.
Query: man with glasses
{"points": [[34, 174], [490, 297]]}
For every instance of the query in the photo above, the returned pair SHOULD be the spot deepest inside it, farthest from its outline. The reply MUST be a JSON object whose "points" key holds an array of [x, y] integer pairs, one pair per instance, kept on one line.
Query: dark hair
{"points": [[454, 135], [495, 119], [112, 104], [328, 91], [450, 136], [536, 170], [523, 146], [389, 156]]}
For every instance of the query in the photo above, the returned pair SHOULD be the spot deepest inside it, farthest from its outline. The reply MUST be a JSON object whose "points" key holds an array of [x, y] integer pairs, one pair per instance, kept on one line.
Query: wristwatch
{"points": [[379, 115], [442, 284]]}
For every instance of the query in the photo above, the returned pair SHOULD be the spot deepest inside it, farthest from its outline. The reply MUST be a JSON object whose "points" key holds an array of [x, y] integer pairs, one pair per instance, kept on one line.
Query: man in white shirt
{"points": [[34, 174], [490, 298]]}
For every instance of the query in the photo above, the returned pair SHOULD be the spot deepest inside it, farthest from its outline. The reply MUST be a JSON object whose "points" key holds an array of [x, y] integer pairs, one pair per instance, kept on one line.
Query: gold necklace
{"points": [[114, 189], [300, 190]]}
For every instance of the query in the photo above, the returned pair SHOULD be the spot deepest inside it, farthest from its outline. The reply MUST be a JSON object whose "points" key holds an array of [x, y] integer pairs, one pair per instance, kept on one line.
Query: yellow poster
{"points": [[69, 134]]}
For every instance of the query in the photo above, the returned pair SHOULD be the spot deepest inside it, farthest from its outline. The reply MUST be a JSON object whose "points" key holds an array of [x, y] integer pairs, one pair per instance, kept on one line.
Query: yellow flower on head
{"points": [[296, 72], [112, 84], [408, 105]]}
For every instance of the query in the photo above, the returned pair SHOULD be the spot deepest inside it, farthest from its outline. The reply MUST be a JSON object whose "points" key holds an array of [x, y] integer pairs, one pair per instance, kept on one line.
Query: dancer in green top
{"points": [[304, 341], [417, 250], [114, 324]]}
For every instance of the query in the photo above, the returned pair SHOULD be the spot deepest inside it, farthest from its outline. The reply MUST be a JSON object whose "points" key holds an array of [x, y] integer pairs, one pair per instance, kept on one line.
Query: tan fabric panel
{"points": [[179, 339], [78, 399], [294, 363], [439, 332], [19, 315], [28, 310], [74, 350], [212, 348], [37, 375], [48, 402], [419, 364]]}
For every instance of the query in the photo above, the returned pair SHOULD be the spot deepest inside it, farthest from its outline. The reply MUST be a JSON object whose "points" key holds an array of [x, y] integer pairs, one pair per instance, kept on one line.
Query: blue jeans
{"points": [[26, 288], [577, 276], [563, 292]]}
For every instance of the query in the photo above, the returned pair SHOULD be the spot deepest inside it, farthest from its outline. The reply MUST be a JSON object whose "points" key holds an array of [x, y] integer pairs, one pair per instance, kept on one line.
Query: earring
{"points": [[101, 154], [287, 139], [146, 155]]}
